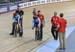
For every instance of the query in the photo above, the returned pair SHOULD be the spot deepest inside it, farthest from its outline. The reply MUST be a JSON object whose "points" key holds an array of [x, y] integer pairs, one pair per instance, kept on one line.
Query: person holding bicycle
{"points": [[21, 13], [36, 24]]}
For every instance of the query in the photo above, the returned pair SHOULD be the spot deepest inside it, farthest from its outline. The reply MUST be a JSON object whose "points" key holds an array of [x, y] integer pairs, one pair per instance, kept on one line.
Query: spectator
{"points": [[61, 31], [54, 22], [41, 17]]}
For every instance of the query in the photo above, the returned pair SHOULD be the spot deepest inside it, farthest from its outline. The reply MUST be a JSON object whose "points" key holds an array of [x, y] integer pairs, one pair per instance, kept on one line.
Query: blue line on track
{"points": [[52, 45]]}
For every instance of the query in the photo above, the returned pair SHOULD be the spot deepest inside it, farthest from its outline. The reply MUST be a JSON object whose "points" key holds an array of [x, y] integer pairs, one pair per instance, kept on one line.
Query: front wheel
{"points": [[36, 34], [15, 32]]}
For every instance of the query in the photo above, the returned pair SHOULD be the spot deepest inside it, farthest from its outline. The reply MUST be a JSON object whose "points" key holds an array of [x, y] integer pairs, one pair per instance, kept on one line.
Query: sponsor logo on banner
{"points": [[4, 9], [38, 2], [13, 7], [21, 5], [58, 0], [25, 4], [34, 3], [48, 1], [42, 1], [53, 0], [29, 3]]}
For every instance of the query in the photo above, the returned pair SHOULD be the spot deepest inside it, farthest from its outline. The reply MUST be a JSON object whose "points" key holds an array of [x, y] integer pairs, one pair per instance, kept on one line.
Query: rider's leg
{"points": [[15, 30], [20, 30]]}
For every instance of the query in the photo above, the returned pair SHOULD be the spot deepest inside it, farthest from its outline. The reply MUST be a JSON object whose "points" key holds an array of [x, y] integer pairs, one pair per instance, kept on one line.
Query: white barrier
{"points": [[13, 7], [28, 4], [4, 9], [33, 3]]}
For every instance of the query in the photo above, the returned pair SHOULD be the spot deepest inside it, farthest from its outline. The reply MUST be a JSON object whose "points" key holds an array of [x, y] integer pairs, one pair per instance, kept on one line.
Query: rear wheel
{"points": [[36, 34]]}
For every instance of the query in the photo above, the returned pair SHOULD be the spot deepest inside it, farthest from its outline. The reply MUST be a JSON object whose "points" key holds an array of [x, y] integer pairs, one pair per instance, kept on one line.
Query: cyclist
{"points": [[36, 24], [21, 13], [17, 23]]}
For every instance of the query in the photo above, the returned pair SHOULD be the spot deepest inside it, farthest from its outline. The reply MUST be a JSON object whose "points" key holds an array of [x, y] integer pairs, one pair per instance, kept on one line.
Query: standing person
{"points": [[54, 22], [21, 13], [16, 22], [41, 17], [34, 11], [36, 23], [62, 30], [13, 23]]}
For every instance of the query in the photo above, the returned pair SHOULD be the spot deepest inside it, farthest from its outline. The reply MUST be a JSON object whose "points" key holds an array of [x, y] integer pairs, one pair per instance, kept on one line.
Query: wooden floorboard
{"points": [[27, 43]]}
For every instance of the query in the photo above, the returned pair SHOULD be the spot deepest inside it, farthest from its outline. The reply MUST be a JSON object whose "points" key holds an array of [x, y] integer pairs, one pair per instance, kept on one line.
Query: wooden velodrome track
{"points": [[27, 43]]}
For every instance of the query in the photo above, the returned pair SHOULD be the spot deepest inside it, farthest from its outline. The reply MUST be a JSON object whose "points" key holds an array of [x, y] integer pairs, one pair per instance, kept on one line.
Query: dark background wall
{"points": [[9, 1]]}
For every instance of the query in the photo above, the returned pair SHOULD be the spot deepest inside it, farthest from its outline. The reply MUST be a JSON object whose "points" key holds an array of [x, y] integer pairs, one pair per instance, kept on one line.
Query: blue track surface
{"points": [[52, 45]]}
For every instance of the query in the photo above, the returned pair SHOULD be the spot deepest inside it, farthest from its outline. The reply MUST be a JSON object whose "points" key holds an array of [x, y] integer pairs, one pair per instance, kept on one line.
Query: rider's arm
{"points": [[19, 19], [33, 23], [39, 23], [13, 19]]}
